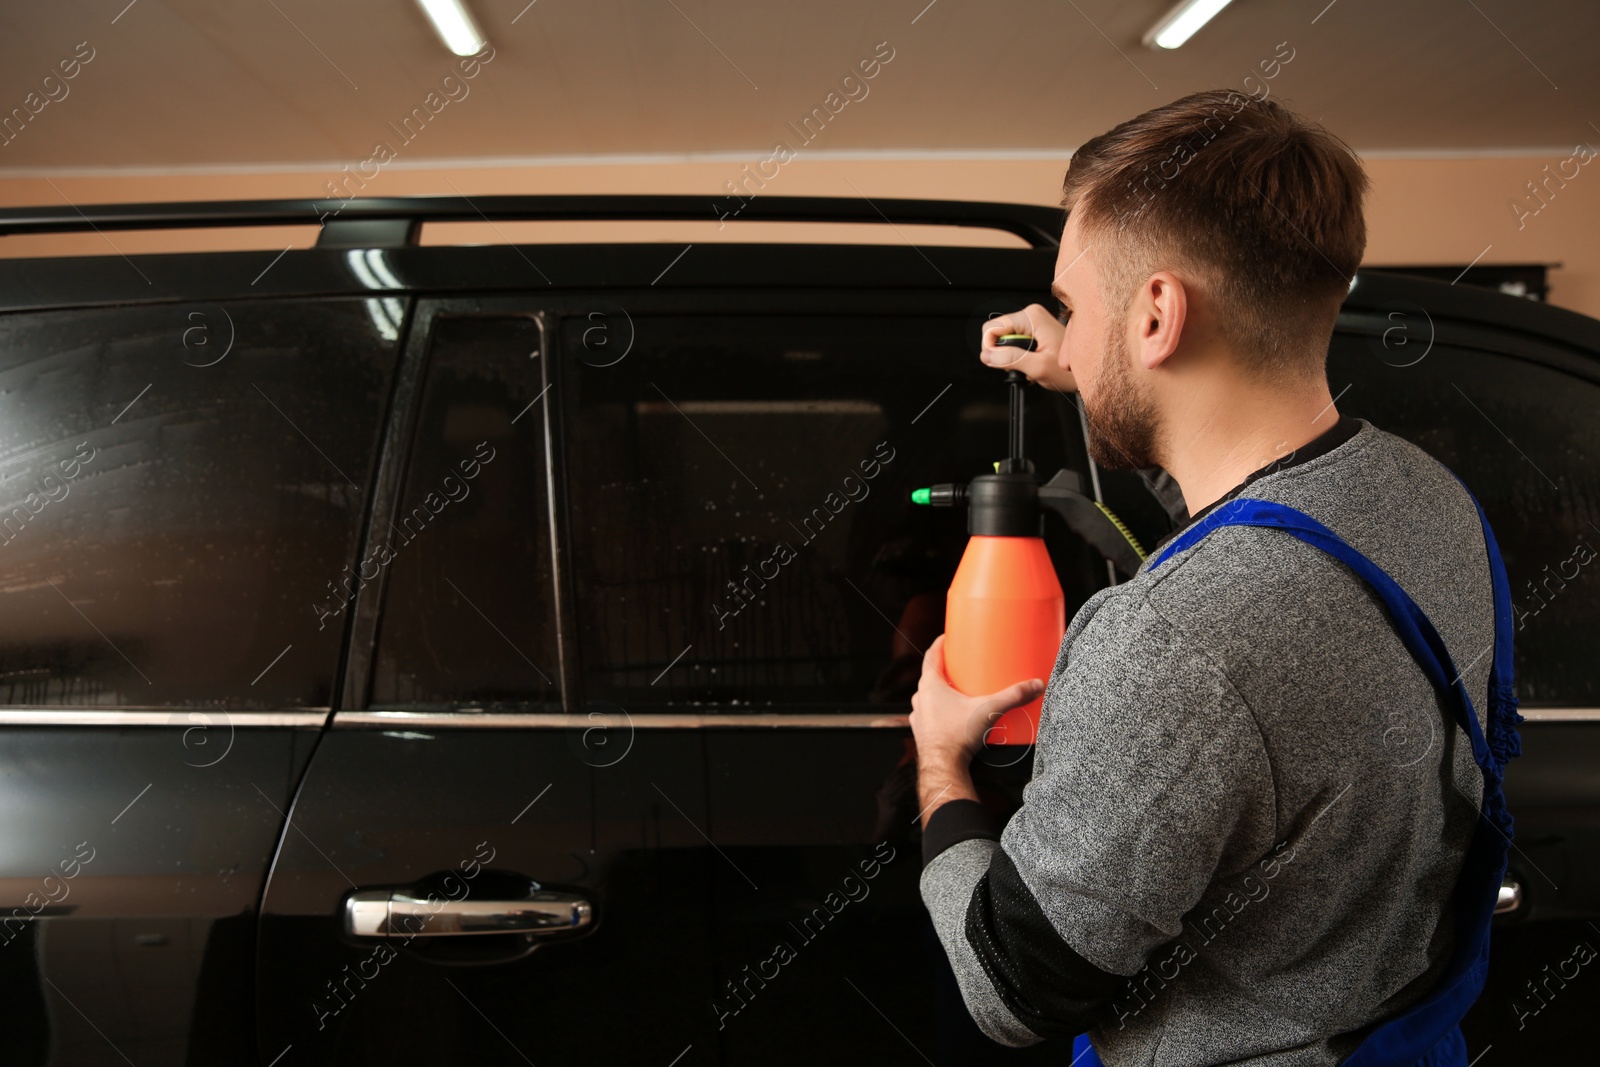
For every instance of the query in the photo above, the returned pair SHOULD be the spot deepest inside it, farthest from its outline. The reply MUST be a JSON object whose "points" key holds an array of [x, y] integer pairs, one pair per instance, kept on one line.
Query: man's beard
{"points": [[1122, 422]]}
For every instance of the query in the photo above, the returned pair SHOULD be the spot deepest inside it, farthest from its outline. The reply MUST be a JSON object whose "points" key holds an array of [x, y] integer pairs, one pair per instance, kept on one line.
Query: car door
{"points": [[744, 547], [176, 481], [453, 775], [1512, 413]]}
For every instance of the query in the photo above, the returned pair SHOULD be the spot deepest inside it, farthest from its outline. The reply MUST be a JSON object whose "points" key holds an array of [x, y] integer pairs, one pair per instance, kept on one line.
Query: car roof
{"points": [[359, 235]]}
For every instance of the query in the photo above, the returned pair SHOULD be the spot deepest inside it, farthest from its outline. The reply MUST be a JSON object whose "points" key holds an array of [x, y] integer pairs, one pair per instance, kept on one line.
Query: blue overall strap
{"points": [[1426, 1034], [1403, 1040]]}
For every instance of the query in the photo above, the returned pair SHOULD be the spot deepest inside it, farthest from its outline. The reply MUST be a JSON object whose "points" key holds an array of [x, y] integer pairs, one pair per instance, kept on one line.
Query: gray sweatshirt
{"points": [[1248, 807]]}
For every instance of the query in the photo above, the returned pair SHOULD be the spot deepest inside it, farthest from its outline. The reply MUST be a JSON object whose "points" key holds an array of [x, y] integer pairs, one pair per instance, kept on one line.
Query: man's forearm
{"points": [[959, 837], [947, 890], [942, 776]]}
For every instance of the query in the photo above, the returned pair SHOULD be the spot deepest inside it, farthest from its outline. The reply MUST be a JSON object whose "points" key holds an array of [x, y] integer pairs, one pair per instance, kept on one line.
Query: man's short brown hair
{"points": [[1263, 206]]}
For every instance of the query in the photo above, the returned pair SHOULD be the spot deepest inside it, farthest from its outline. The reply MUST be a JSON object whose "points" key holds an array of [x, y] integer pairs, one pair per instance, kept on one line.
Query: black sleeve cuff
{"points": [[1040, 978], [954, 822]]}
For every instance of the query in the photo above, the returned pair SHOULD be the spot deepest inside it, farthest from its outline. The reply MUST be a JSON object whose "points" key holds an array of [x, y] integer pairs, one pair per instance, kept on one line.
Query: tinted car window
{"points": [[741, 528], [1524, 438], [468, 613], [180, 486]]}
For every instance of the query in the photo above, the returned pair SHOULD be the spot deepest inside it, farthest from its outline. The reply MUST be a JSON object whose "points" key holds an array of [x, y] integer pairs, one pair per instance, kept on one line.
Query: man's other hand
{"points": [[949, 726]]}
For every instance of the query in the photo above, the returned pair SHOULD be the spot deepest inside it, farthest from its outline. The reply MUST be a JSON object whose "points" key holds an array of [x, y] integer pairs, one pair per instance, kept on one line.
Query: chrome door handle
{"points": [[1510, 898], [398, 913]]}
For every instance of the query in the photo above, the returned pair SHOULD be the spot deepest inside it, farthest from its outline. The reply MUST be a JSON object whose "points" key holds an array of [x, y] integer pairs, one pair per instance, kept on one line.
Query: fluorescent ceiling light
{"points": [[453, 22], [1182, 21]]}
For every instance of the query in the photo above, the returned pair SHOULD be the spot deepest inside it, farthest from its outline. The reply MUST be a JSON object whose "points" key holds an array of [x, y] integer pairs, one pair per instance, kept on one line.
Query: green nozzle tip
{"points": [[921, 496], [997, 466]]}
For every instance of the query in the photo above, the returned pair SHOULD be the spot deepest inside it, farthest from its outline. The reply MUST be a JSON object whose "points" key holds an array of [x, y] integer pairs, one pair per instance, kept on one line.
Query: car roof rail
{"points": [[393, 222]]}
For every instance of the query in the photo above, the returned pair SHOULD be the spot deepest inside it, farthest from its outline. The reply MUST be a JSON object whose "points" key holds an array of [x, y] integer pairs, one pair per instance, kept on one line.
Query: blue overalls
{"points": [[1426, 1034]]}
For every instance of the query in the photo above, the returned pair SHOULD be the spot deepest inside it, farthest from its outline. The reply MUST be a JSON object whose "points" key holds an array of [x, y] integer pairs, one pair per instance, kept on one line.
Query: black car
{"points": [[430, 654]]}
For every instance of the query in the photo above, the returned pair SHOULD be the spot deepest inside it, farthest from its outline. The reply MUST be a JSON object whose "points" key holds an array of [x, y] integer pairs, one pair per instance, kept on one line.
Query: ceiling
{"points": [[194, 85]]}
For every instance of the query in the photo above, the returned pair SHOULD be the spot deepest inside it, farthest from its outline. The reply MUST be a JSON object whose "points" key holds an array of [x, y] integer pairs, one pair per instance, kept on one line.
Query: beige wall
{"points": [[1422, 211]]}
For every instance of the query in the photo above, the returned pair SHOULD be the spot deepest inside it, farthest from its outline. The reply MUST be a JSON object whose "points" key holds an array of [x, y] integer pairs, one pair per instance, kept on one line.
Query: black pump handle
{"points": [[1017, 381]]}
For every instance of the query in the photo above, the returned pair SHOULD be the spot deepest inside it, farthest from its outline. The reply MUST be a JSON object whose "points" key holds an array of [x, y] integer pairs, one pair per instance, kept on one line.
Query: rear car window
{"points": [[742, 534]]}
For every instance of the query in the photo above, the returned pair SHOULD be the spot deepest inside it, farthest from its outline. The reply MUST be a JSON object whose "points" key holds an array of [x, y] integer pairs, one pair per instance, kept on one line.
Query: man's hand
{"points": [[1044, 364], [949, 728]]}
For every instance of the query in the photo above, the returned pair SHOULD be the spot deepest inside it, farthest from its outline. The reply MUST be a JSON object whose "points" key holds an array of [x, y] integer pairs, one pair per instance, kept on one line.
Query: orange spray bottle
{"points": [[1005, 614]]}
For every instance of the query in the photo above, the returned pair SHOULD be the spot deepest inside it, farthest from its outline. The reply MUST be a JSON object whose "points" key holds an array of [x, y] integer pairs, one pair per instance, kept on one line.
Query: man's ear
{"points": [[1161, 310]]}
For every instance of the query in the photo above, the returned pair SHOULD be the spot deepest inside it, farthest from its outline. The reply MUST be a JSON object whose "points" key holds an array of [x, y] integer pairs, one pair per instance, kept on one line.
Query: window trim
{"points": [[400, 428]]}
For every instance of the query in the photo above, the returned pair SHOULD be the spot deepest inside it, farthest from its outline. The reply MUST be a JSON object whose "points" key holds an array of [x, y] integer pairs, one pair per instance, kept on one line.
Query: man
{"points": [[1249, 806]]}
